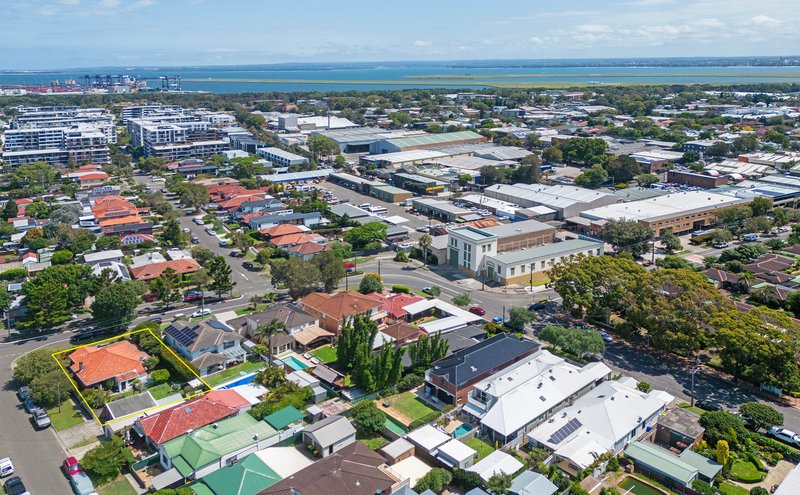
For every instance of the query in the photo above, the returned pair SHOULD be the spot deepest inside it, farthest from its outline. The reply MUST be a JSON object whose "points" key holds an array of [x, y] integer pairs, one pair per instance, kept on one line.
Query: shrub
{"points": [[105, 462], [95, 397], [466, 480], [756, 462], [428, 418], [758, 490], [160, 376], [435, 480], [401, 289], [746, 472], [367, 418], [703, 488], [408, 382], [14, 274], [613, 464]]}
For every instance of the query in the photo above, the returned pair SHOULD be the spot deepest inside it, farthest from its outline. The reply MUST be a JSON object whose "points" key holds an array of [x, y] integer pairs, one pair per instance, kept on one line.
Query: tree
{"points": [[271, 376], [573, 340], [733, 218], [246, 167], [62, 257], [690, 157], [160, 376], [627, 235], [435, 480], [491, 175], [166, 287], [105, 462], [54, 291], [462, 299], [321, 145], [371, 282], [366, 234], [108, 242], [266, 332], [300, 277], [723, 452], [10, 210], [622, 168], [758, 490], [466, 480], [425, 243], [241, 241], [50, 388], [221, 276], [426, 350], [672, 262], [499, 483], [33, 364], [118, 302], [758, 224], [760, 206], [644, 387], [592, 178], [37, 173], [671, 242], [646, 180], [202, 255], [331, 269], [367, 418], [760, 416], [529, 170], [518, 318], [172, 234], [552, 155], [192, 195], [722, 236]]}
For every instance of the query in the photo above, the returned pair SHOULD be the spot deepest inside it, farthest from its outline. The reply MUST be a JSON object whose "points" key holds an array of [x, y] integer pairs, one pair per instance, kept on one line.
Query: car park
{"points": [[784, 435], [40, 418], [14, 486], [477, 310], [202, 312], [6, 467]]}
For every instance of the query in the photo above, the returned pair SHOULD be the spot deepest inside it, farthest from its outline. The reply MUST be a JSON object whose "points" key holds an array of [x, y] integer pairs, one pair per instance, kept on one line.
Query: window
{"points": [[513, 269], [228, 345]]}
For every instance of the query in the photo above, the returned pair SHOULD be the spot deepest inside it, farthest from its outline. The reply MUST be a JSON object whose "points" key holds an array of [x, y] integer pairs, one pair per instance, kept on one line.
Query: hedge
{"points": [[428, 418], [401, 289], [772, 445], [755, 460]]}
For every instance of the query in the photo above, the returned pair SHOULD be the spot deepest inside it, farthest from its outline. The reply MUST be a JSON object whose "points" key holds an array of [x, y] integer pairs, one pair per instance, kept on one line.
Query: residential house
{"points": [[303, 379], [605, 419], [451, 379], [309, 219], [354, 470], [120, 362], [210, 345], [532, 483], [394, 304], [679, 429], [246, 477], [401, 332], [99, 256], [117, 270], [214, 446], [333, 310], [513, 401], [301, 327], [308, 250], [679, 470], [433, 444], [187, 416], [135, 239], [153, 270], [498, 462], [281, 230], [285, 418], [329, 436]]}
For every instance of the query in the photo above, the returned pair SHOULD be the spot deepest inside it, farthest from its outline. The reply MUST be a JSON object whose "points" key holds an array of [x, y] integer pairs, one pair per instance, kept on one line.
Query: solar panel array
{"points": [[184, 336], [565, 431]]}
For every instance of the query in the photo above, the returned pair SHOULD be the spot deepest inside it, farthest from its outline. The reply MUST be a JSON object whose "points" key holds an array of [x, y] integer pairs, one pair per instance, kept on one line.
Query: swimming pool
{"points": [[638, 487], [241, 381], [395, 426], [462, 430], [295, 363]]}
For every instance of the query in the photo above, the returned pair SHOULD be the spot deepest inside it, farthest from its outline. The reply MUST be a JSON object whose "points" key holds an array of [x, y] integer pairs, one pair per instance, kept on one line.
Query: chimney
{"points": [[80, 366]]}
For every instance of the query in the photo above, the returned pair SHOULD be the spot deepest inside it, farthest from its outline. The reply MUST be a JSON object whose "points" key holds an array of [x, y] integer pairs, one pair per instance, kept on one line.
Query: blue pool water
{"points": [[462, 430], [295, 363], [241, 381]]}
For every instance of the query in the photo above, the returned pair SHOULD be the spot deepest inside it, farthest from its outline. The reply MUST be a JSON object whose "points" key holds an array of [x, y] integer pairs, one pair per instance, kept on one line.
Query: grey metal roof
{"points": [[331, 430], [546, 251], [517, 228], [129, 405], [201, 335]]}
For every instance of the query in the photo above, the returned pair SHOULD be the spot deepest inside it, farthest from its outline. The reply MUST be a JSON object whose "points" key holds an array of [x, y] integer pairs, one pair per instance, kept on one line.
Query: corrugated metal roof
{"points": [[429, 139]]}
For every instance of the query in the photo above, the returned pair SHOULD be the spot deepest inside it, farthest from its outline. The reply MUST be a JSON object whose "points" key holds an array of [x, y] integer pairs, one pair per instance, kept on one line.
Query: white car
{"points": [[202, 312], [6, 467], [784, 435], [199, 221]]}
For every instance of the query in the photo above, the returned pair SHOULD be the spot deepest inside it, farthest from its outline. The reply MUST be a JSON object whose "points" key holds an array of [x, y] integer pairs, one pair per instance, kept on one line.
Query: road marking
{"points": [[244, 277]]}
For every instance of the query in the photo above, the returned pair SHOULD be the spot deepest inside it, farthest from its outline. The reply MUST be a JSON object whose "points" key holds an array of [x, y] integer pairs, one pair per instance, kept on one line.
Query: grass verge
{"points": [[68, 417]]}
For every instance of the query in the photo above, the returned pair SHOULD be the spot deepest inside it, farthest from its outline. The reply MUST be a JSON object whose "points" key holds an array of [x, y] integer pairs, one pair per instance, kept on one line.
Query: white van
{"points": [[750, 237], [6, 467]]}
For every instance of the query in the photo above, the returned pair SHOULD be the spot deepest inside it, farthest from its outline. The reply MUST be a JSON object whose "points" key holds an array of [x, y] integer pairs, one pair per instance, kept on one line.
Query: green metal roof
{"points": [[707, 467], [182, 466], [201, 489], [662, 461], [283, 418], [429, 139], [209, 443], [248, 477]]}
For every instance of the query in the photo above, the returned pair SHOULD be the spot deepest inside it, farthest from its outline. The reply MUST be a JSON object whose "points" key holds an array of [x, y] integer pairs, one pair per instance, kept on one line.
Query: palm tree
{"points": [[254, 300], [267, 331], [425, 243]]}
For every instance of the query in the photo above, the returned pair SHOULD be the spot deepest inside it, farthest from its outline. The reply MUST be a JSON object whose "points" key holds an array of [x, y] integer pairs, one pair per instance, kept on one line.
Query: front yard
{"points": [[728, 488], [325, 354], [119, 486], [67, 418], [161, 390], [234, 371]]}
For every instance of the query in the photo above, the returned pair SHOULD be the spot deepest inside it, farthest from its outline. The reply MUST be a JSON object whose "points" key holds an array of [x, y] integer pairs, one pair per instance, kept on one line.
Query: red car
{"points": [[149, 297], [477, 310], [71, 466]]}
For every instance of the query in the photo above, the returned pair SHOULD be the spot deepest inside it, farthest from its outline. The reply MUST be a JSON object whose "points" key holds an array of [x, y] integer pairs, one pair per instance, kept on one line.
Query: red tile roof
{"points": [[280, 230], [190, 415], [153, 270], [340, 304], [394, 304], [308, 248], [236, 202], [122, 360]]}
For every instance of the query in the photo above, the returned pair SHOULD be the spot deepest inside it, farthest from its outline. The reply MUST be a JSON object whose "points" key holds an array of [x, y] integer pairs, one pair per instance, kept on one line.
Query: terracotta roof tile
{"points": [[121, 360], [340, 304], [153, 270]]}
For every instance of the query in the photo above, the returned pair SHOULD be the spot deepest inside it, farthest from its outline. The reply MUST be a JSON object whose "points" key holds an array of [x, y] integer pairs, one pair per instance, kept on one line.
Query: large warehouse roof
{"points": [[663, 206], [432, 139]]}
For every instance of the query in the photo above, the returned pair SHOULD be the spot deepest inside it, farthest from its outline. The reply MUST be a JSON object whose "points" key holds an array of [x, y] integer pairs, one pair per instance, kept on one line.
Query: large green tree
{"points": [[627, 235], [298, 276], [118, 302], [166, 287], [331, 269], [576, 341], [221, 276], [365, 234], [367, 418]]}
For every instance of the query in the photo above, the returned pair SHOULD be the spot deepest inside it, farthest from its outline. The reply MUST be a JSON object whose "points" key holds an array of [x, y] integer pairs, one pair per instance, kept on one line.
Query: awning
{"points": [[310, 334], [166, 479]]}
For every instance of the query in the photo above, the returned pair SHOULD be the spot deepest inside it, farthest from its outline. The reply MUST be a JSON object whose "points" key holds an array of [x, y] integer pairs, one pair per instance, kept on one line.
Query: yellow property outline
{"points": [[138, 413]]}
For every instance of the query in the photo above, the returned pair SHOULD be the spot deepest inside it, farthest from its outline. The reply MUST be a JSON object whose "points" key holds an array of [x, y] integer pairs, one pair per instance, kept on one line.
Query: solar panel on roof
{"points": [[565, 431]]}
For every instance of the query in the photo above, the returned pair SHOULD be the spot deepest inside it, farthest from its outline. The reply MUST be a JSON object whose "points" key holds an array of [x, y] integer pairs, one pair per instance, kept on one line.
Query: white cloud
{"points": [[765, 20], [650, 3], [422, 43]]}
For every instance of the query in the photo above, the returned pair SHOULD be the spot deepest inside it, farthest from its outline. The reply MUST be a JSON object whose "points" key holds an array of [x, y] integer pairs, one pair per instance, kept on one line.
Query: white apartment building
{"points": [[468, 247], [79, 143], [281, 157]]}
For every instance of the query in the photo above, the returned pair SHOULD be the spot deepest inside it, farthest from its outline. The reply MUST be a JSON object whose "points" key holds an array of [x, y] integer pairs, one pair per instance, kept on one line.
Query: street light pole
{"points": [[694, 371], [532, 265]]}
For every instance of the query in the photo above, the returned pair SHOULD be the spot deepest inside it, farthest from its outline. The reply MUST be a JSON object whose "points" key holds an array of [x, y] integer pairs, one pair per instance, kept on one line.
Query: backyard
{"points": [[409, 406], [119, 486], [728, 488], [161, 390], [233, 372], [480, 446], [325, 354], [67, 418]]}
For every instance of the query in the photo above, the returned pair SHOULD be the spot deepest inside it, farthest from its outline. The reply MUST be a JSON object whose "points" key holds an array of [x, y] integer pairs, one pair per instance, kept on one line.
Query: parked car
{"points": [[784, 435], [210, 231], [149, 297], [720, 245], [236, 254], [223, 243], [750, 237], [202, 312], [477, 310], [14, 486], [40, 418], [537, 306], [156, 319], [192, 295], [606, 337], [30, 405], [247, 265], [428, 290], [195, 239], [24, 393], [199, 221], [70, 466], [709, 405], [81, 484], [6, 467], [497, 320]]}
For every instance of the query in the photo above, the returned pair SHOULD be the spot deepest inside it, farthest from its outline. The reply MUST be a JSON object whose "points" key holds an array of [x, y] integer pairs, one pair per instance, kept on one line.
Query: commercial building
{"points": [[566, 201], [700, 146], [704, 180], [358, 140], [530, 265], [439, 209], [390, 194], [677, 213], [425, 141], [652, 161], [281, 157], [418, 184]]}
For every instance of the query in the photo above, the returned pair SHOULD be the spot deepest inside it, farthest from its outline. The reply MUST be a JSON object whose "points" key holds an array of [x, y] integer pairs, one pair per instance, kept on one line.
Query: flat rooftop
{"points": [[670, 205]]}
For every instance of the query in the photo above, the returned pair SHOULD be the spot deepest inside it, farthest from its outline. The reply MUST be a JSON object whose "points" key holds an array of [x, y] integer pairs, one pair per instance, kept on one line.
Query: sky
{"points": [[53, 34]]}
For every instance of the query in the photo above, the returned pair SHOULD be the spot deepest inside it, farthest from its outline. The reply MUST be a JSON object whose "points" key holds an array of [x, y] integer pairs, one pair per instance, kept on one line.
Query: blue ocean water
{"points": [[350, 77]]}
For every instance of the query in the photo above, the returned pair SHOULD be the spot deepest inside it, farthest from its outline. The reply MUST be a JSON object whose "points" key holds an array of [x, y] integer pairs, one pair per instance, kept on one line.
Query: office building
{"points": [[281, 157]]}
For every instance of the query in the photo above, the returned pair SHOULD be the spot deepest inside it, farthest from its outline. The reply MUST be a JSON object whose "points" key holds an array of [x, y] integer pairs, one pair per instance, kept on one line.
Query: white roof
{"points": [[457, 450], [251, 392], [555, 196], [411, 469], [666, 206], [533, 388], [444, 307], [406, 156], [495, 463], [103, 255], [147, 259], [791, 484], [381, 339], [285, 461], [443, 325], [428, 438], [397, 447]]}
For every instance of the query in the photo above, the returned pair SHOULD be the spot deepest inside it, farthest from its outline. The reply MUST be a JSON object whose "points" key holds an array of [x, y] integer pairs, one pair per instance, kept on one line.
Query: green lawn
{"points": [[325, 354], [249, 309], [161, 390], [233, 371], [482, 447], [68, 417], [374, 443], [409, 405], [694, 409], [746, 471], [728, 488], [119, 486]]}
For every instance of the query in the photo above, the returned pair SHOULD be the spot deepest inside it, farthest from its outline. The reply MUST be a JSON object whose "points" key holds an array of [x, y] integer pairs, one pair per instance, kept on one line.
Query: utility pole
{"points": [[532, 266], [379, 268], [694, 372], [58, 395]]}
